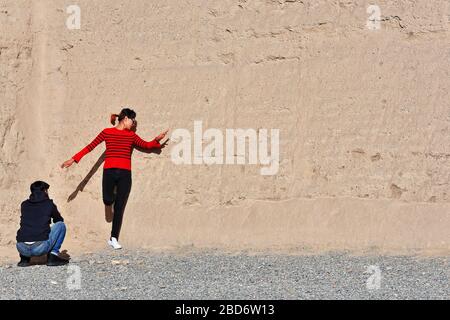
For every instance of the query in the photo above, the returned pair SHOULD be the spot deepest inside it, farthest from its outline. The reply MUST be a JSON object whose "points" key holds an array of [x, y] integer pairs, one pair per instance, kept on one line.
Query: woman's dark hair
{"points": [[126, 112]]}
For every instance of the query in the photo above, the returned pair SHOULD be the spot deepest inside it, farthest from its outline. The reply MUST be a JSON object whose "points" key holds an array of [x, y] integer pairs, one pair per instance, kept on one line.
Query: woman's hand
{"points": [[161, 136], [67, 163]]}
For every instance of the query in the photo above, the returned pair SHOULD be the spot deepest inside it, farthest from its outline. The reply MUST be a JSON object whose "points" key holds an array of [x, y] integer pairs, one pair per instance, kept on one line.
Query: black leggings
{"points": [[121, 179]]}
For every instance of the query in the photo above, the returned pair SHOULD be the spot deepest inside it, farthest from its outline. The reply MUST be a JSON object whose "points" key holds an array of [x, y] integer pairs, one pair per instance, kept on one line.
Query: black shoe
{"points": [[55, 261], [24, 261]]}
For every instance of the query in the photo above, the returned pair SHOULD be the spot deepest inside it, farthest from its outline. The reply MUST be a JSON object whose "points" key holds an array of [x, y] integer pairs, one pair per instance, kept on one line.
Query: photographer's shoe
{"points": [[24, 261], [54, 261]]}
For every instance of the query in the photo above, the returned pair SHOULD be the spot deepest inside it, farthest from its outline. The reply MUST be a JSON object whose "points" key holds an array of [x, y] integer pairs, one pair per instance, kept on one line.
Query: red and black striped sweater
{"points": [[119, 147]]}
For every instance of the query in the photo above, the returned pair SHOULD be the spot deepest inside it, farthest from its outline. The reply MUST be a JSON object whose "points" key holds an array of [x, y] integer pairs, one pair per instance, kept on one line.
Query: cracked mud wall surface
{"points": [[363, 116]]}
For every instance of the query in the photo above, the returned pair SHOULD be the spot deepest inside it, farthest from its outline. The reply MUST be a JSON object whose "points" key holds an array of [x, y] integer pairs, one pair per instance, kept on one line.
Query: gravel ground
{"points": [[213, 275]]}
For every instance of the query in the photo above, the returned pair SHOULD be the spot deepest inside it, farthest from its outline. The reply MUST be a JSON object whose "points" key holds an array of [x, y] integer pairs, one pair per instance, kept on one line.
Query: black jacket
{"points": [[36, 214]]}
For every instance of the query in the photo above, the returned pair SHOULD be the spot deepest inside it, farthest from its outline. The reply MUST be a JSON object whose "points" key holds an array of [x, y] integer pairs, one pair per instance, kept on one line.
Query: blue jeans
{"points": [[39, 248]]}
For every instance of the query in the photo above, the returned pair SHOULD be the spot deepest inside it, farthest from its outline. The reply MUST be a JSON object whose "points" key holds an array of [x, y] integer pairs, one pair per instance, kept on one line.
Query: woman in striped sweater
{"points": [[119, 141]]}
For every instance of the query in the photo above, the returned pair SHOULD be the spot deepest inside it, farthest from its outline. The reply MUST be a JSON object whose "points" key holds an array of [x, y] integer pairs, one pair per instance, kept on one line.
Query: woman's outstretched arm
{"points": [[91, 146], [149, 144]]}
